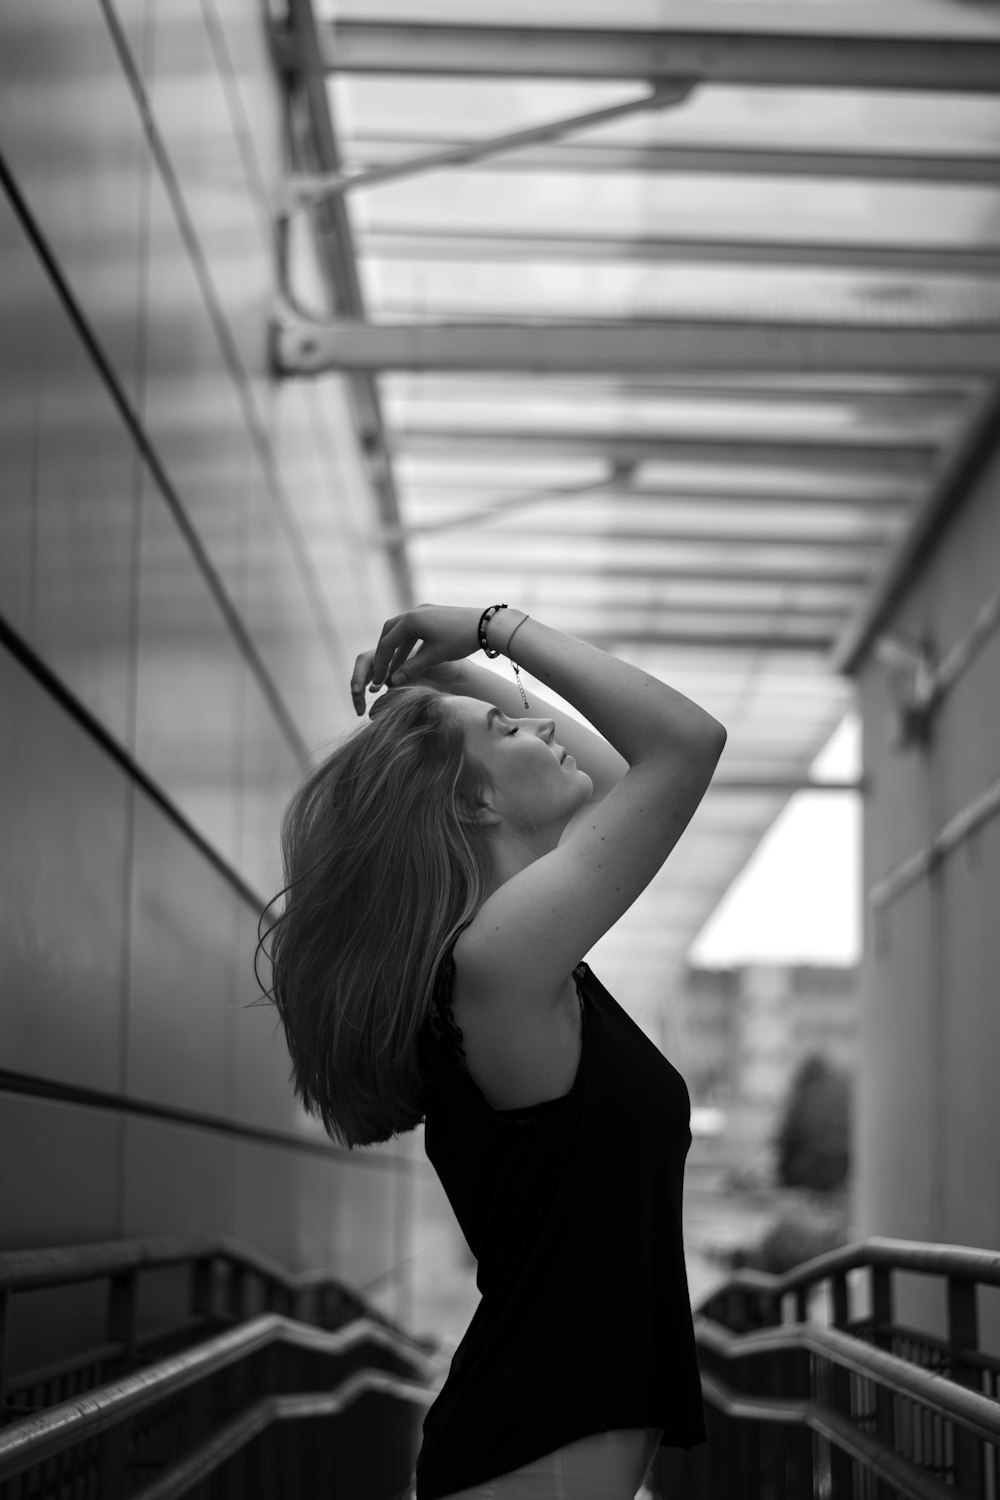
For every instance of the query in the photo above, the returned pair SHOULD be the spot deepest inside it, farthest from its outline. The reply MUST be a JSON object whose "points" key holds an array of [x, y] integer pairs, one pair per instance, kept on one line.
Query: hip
{"points": [[602, 1466]]}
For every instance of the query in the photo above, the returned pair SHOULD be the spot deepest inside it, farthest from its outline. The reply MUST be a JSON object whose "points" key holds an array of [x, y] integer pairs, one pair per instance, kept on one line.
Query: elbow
{"points": [[712, 740]]}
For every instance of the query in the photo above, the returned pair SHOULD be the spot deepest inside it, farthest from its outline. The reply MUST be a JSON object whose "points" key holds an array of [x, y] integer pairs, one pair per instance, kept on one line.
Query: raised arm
{"points": [[635, 712], [536, 925]]}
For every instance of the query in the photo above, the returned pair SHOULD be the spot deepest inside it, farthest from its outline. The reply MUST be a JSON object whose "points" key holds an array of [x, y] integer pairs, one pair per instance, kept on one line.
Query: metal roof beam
{"points": [[630, 617], [819, 387], [649, 574], [863, 504], [845, 455], [336, 256], [302, 191], [378, 150], [783, 784], [610, 614], [763, 640], [500, 509], [773, 59], [813, 596], [401, 242], [963, 465], [747, 541], [871, 398], [522, 500], [307, 346]]}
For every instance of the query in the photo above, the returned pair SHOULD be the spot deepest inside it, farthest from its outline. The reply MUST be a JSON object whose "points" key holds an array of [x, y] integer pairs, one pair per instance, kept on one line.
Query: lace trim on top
{"points": [[448, 1035]]}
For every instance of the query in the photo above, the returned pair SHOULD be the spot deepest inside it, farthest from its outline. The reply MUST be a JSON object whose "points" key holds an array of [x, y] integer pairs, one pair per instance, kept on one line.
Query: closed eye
{"points": [[512, 731]]}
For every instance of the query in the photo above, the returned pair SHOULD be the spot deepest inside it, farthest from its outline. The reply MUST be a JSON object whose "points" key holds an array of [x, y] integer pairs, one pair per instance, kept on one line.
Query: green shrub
{"points": [[794, 1239], [812, 1145]]}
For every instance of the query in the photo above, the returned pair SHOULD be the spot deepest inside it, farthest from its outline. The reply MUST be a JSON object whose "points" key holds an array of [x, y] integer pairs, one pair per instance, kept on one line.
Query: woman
{"points": [[447, 867]]}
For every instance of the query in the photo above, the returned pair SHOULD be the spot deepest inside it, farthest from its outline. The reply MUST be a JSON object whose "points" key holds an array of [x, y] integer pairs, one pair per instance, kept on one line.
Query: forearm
{"points": [[592, 753], [641, 717]]}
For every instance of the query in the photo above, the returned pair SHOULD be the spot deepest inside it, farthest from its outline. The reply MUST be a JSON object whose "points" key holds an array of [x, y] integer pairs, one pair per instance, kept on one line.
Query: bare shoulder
{"points": [[487, 978], [521, 1046], [535, 927]]}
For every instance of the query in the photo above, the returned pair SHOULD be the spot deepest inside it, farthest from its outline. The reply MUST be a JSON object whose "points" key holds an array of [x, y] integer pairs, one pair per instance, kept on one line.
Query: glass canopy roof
{"points": [[725, 528]]}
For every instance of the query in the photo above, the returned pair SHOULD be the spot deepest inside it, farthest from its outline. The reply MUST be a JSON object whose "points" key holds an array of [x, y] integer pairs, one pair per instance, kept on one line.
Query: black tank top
{"points": [[572, 1209]]}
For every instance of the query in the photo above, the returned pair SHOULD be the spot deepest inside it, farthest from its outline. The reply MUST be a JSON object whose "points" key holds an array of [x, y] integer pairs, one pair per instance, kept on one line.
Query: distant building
{"points": [[744, 1033]]}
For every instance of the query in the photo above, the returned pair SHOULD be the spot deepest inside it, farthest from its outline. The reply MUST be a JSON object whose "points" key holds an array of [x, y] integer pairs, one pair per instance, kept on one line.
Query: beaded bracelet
{"points": [[484, 620]]}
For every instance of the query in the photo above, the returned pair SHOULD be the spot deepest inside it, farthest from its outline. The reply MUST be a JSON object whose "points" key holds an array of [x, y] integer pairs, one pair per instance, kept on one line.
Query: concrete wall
{"points": [[184, 584], [928, 1100]]}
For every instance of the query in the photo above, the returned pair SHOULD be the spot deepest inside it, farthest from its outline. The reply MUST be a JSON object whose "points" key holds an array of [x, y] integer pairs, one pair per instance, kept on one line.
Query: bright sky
{"points": [[799, 898]]}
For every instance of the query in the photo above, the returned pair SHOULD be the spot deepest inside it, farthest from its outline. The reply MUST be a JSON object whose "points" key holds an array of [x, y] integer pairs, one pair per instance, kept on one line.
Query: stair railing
{"points": [[227, 1282], [813, 1388], [268, 1359], [186, 1386]]}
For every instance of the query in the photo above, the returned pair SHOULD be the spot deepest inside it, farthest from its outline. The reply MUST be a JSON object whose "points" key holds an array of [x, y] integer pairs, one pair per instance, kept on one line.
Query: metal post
{"points": [[237, 1290], [121, 1313], [4, 1307], [305, 1305], [885, 1424], [115, 1446], [963, 1339], [841, 1467], [203, 1288]]}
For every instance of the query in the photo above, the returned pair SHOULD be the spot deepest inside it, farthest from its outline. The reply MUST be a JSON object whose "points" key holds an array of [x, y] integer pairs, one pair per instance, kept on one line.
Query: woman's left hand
{"points": [[446, 677], [444, 635]]}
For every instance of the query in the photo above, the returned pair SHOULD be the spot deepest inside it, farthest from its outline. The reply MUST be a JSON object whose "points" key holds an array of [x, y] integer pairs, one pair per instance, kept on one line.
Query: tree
{"points": [[813, 1139]]}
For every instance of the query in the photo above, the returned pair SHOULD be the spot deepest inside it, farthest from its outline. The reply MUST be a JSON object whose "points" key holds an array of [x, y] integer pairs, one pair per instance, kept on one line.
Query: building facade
{"points": [[744, 1034]]}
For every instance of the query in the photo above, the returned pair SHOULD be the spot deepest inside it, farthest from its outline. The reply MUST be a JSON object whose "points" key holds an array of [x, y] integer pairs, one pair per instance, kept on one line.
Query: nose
{"points": [[547, 729]]}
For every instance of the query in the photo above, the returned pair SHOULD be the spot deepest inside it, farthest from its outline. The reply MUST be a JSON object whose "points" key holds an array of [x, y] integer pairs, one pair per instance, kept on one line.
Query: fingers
{"points": [[396, 636], [360, 678], [394, 652], [399, 657], [395, 644]]}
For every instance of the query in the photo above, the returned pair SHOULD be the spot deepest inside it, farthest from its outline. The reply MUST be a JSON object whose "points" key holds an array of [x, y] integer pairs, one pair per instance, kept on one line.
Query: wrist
{"points": [[501, 626]]}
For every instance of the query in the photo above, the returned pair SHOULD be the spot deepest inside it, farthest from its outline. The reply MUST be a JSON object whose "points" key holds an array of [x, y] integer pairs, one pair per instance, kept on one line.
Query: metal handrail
{"points": [[851, 1440], [957, 1261], [979, 1413], [40, 1437], [29, 1270], [98, 1354], [906, 1406], [196, 1466]]}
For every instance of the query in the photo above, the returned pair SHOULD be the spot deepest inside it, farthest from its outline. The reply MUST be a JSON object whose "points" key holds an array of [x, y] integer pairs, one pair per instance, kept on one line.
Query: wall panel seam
{"points": [[20, 1085], [252, 170], [141, 439], [257, 431], [87, 721], [961, 826]]}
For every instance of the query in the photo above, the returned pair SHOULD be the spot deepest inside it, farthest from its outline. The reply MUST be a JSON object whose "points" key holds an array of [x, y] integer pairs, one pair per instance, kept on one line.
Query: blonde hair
{"points": [[384, 862]]}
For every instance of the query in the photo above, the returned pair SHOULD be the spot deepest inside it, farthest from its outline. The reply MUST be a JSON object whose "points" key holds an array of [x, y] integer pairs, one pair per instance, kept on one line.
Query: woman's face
{"points": [[537, 787]]}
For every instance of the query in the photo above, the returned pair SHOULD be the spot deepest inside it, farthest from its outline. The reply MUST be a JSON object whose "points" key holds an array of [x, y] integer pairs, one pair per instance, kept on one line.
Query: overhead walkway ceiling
{"points": [[693, 380]]}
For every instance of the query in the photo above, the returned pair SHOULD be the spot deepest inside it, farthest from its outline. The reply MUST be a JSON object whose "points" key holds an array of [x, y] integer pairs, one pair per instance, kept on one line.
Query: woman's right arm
{"points": [[636, 713], [535, 927]]}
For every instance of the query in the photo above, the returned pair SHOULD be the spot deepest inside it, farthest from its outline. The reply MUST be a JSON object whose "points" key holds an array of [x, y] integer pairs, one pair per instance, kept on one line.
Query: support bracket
{"points": [[303, 191]]}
